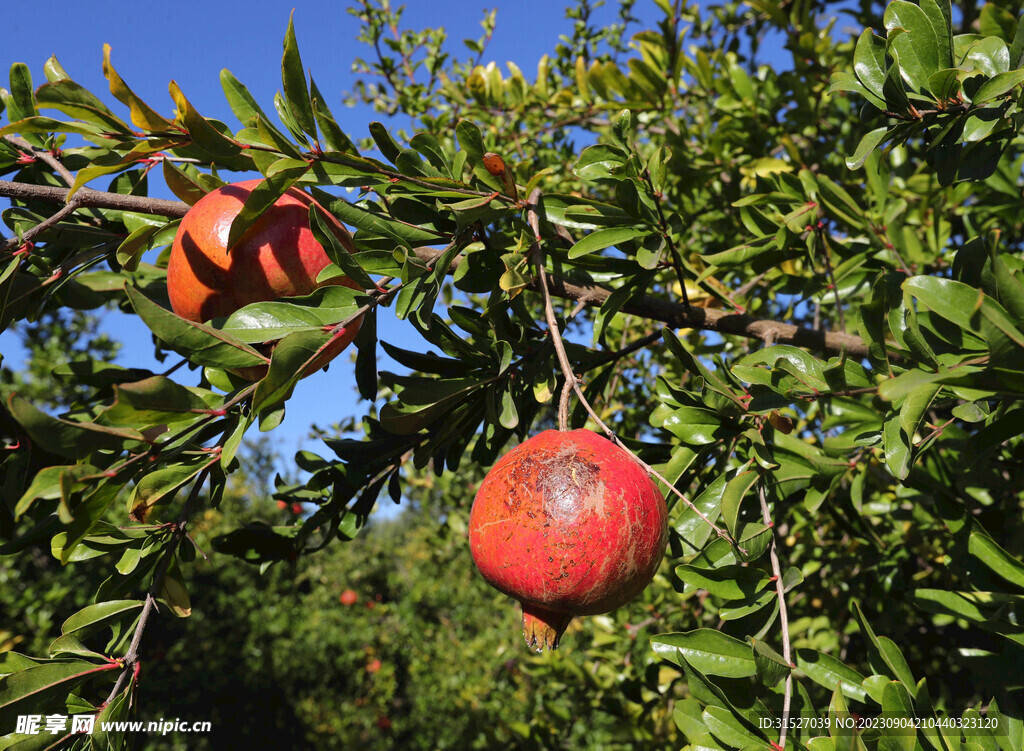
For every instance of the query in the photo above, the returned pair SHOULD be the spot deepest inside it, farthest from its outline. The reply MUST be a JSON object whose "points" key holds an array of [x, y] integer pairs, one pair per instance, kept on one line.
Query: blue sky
{"points": [[190, 42]]}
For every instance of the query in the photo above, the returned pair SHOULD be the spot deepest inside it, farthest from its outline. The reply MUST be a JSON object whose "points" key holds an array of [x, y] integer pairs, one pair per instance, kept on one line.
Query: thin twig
{"points": [[132, 656], [780, 588], [677, 261], [570, 378], [69, 208], [549, 312], [44, 156], [831, 275]]}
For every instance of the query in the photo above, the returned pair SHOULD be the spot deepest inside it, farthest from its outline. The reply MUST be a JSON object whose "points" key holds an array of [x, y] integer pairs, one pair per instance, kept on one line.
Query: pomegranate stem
{"points": [[543, 628]]}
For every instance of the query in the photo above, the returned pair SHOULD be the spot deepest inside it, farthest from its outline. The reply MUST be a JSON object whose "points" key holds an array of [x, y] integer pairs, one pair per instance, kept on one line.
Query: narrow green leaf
{"points": [[869, 63], [142, 115], [202, 344], [387, 145], [152, 401], [998, 86], [262, 197], [242, 103], [604, 238], [339, 252], [204, 135], [733, 496], [94, 617], [827, 671], [710, 651], [866, 146], [38, 689], [728, 582], [290, 358], [293, 77], [989, 552]]}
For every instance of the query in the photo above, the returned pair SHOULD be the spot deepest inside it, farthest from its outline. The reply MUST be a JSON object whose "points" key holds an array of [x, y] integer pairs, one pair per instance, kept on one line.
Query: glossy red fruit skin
{"points": [[278, 257], [568, 524]]}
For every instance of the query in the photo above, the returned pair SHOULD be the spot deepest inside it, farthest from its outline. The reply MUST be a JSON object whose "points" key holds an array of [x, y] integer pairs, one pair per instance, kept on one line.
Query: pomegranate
{"points": [[277, 257], [568, 524]]}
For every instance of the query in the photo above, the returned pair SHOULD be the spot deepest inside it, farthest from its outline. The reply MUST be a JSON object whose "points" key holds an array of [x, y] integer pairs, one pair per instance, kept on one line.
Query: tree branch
{"points": [[573, 384], [780, 589], [43, 155], [672, 314], [131, 658], [94, 199]]}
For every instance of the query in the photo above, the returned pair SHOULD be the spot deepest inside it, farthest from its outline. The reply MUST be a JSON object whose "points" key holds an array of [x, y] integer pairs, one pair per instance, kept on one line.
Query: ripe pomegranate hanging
{"points": [[568, 524]]}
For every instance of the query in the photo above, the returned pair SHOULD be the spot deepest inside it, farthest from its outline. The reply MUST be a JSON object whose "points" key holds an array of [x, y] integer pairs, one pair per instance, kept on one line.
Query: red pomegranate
{"points": [[568, 524], [279, 256]]}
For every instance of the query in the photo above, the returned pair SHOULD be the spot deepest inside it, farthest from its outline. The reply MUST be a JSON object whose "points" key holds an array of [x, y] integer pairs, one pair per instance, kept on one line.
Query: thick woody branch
{"points": [[94, 199], [673, 314]]}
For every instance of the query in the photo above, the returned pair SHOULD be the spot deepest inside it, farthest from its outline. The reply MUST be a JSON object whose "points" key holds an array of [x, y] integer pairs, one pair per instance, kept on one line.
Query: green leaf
{"points": [[153, 401], [989, 55], [939, 15], [377, 224], [159, 487], [92, 618], [691, 528], [242, 103], [827, 671], [142, 115], [959, 303], [86, 516], [264, 195], [728, 582], [734, 493], [331, 134], [40, 124], [76, 101], [204, 135], [181, 184], [897, 704], [989, 552], [276, 319], [842, 81], [866, 146], [21, 101], [174, 594], [771, 666], [869, 65], [203, 345], [997, 86], [600, 162], [421, 403], [575, 212], [604, 238], [918, 48], [52, 483], [710, 651], [898, 448], [41, 688], [288, 363], [339, 252], [992, 611], [131, 249], [728, 728], [67, 438], [944, 84], [293, 77], [387, 145]]}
